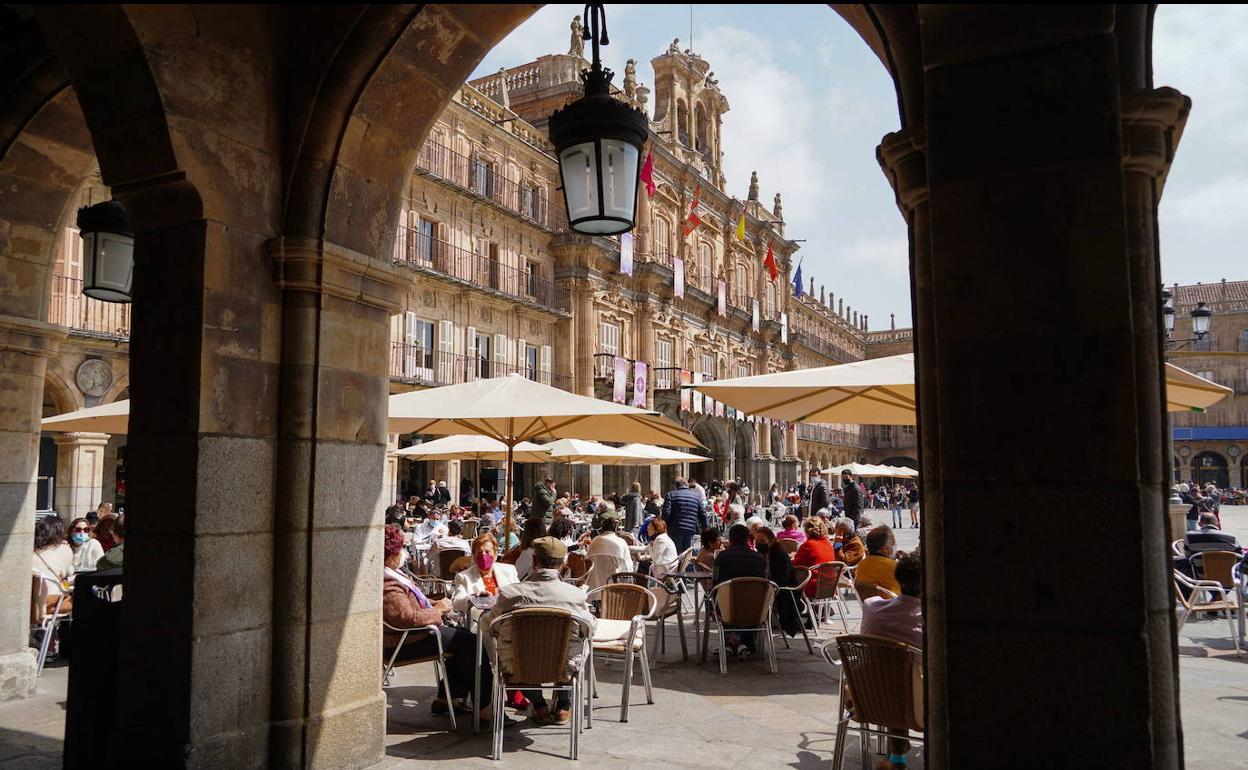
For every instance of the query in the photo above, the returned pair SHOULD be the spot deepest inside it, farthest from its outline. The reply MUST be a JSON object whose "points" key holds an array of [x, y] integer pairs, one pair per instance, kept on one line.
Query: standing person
{"points": [[683, 514], [544, 498], [632, 505], [913, 498], [897, 500], [698, 489], [852, 495], [444, 494], [773, 495], [818, 492]]}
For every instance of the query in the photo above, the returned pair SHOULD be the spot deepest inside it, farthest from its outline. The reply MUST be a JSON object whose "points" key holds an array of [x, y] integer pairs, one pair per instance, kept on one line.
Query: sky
{"points": [[809, 103]]}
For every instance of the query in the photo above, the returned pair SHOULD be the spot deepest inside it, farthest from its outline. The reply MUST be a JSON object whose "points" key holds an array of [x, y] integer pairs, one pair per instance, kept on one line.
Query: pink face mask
{"points": [[485, 560]]}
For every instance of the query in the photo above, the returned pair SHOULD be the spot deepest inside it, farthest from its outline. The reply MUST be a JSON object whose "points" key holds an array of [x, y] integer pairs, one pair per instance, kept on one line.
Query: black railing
{"points": [[667, 378], [481, 177], [478, 270], [82, 315], [418, 364], [604, 366]]}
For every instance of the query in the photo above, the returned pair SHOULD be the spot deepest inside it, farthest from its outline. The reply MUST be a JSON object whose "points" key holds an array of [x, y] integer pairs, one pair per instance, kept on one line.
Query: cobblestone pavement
{"points": [[700, 718]]}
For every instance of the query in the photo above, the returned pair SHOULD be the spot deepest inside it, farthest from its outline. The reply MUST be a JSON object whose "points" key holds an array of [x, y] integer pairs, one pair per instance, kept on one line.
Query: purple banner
{"points": [[621, 380], [639, 385]]}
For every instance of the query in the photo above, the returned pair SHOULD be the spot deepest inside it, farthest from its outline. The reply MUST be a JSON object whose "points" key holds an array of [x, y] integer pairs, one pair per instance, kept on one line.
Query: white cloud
{"points": [[887, 255], [1220, 204]]}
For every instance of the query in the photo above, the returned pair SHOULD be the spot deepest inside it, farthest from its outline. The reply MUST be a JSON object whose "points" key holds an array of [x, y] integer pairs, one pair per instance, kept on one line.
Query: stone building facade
{"points": [[497, 284], [1213, 445]]}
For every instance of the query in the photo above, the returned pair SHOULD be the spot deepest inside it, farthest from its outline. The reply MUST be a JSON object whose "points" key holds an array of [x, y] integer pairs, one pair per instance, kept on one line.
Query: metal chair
{"points": [[469, 528], [538, 640], [1214, 599], [623, 611], [446, 558], [744, 604], [439, 663], [827, 581], [884, 679], [41, 588], [1177, 548]]}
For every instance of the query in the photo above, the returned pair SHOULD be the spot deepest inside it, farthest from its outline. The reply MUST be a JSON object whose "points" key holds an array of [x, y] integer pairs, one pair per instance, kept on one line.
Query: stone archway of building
{"points": [[714, 437], [901, 461], [1210, 466]]}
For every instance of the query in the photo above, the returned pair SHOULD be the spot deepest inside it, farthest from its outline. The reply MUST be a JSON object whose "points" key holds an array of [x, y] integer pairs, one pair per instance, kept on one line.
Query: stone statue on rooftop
{"points": [[630, 79], [778, 209], [503, 98], [753, 185], [675, 46], [577, 48]]}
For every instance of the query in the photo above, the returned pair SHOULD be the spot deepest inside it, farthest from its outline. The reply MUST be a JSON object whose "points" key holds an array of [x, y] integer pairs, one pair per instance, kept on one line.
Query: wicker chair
{"points": [[1225, 568], [539, 640], [469, 528], [826, 578], [884, 678], [438, 660], [1205, 596], [789, 545], [669, 602], [623, 611], [744, 604], [797, 595], [446, 560]]}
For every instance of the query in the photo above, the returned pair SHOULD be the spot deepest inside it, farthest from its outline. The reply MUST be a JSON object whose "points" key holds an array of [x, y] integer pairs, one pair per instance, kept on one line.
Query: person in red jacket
{"points": [[816, 550]]}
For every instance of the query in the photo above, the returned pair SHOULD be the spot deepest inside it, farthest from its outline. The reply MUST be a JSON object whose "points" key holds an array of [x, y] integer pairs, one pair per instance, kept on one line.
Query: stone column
{"points": [[762, 433], [390, 481], [25, 347], [790, 443], [79, 473], [1024, 206], [327, 706], [645, 347], [583, 337], [595, 480]]}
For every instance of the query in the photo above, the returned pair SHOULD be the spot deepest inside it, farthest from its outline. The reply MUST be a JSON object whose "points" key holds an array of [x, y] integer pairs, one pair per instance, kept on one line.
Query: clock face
{"points": [[1233, 451], [94, 377], [1184, 451]]}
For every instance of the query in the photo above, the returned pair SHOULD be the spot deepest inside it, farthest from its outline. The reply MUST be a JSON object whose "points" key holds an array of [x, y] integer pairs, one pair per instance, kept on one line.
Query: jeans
{"points": [[896, 516], [682, 538], [1191, 525]]}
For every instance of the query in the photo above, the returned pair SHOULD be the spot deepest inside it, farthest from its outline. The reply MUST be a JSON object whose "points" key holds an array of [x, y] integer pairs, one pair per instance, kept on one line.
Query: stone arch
{"points": [[59, 393], [901, 461], [714, 437], [1211, 466], [120, 390]]}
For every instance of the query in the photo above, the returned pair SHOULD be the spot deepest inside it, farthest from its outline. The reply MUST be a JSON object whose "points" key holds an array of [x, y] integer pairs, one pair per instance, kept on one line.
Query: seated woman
{"points": [[780, 571], [845, 540], [485, 576], [87, 550], [816, 550], [54, 559], [711, 545], [404, 605], [790, 530], [533, 529], [563, 529], [663, 556]]}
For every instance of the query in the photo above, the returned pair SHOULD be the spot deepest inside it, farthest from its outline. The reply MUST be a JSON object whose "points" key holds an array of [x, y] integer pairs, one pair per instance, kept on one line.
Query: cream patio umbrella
{"points": [[476, 448], [660, 456], [106, 418], [514, 409], [575, 450], [880, 391]]}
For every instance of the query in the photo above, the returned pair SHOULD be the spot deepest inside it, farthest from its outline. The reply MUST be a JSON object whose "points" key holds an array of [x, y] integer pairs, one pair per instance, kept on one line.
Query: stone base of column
{"points": [[17, 675], [354, 737]]}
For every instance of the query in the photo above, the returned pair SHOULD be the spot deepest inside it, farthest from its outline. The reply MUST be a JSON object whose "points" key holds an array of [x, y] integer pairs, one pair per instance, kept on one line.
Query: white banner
{"points": [[754, 318], [784, 328], [626, 253], [723, 298], [678, 276]]}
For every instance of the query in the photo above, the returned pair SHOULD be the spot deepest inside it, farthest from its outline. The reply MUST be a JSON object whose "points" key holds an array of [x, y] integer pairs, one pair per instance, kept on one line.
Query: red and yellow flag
{"points": [[694, 220], [647, 174], [770, 262], [741, 224]]}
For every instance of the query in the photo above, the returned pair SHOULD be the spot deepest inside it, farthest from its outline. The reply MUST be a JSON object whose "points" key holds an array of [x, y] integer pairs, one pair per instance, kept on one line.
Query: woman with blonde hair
{"points": [[816, 550]]}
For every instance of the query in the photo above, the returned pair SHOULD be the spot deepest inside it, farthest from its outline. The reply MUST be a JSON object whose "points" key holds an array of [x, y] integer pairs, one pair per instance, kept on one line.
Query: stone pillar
{"points": [[1022, 206], [583, 337], [790, 443], [25, 347], [79, 473], [655, 479], [390, 480], [327, 706], [645, 347], [595, 480], [762, 433]]}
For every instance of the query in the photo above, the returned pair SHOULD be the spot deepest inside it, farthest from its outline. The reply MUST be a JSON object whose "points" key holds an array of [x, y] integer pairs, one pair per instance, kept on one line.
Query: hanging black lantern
{"points": [[598, 141], [107, 251]]}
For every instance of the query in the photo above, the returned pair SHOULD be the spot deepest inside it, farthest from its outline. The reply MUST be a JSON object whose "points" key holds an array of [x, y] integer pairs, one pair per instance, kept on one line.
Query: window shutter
{"points": [[522, 360], [446, 351], [501, 353], [545, 365], [470, 346]]}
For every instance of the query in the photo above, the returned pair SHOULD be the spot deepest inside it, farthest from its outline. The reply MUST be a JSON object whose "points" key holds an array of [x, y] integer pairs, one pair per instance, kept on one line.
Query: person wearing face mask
{"points": [[484, 577], [87, 550]]}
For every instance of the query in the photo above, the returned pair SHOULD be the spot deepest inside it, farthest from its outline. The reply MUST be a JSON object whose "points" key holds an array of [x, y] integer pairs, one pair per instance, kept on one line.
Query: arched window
{"points": [[682, 123], [702, 144], [743, 289], [771, 300], [662, 237], [704, 265]]}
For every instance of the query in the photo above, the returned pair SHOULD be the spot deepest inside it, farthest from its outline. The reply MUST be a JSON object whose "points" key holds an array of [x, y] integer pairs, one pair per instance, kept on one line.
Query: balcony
{"points": [[85, 316], [419, 365], [480, 178], [829, 435], [667, 378], [440, 258]]}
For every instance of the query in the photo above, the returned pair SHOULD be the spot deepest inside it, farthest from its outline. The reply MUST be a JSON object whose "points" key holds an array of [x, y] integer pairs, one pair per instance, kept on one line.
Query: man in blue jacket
{"points": [[683, 515]]}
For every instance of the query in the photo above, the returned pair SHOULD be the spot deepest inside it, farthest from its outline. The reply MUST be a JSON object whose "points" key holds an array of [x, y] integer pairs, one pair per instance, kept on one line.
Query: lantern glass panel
{"points": [[619, 180], [108, 266], [580, 183]]}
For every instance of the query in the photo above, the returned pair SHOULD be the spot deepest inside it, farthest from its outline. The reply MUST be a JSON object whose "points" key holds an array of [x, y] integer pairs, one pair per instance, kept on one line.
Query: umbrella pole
{"points": [[507, 482], [476, 491]]}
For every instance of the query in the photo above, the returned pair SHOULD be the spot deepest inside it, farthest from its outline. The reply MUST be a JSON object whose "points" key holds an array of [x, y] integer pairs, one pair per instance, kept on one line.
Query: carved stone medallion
{"points": [[94, 377]]}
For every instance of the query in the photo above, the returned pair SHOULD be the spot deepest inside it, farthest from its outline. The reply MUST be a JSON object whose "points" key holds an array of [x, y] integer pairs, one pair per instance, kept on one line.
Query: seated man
{"points": [[610, 543], [878, 568], [543, 587], [1207, 537], [739, 560], [452, 541], [900, 619], [430, 529]]}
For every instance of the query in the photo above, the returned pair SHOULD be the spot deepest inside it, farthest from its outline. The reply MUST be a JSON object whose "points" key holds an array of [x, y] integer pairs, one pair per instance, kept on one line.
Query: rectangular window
{"points": [[418, 348], [531, 272], [1243, 341], [426, 238], [532, 359], [662, 243], [1208, 375], [744, 370], [1205, 343], [483, 347], [609, 338], [708, 366]]}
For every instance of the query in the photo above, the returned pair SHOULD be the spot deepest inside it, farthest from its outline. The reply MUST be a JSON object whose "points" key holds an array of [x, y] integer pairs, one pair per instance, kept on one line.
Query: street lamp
{"points": [[598, 141], [1167, 310], [1201, 316], [107, 251]]}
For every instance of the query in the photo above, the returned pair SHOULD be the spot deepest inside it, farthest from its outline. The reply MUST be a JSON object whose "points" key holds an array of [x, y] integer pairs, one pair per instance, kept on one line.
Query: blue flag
{"points": [[797, 281]]}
